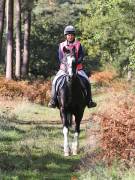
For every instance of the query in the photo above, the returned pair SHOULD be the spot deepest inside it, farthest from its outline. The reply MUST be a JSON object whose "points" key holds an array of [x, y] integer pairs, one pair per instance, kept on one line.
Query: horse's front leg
{"points": [[75, 143], [65, 131], [66, 142]]}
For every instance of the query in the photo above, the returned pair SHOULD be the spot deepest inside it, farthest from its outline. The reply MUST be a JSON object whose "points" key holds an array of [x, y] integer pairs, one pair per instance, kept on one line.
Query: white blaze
{"points": [[70, 59]]}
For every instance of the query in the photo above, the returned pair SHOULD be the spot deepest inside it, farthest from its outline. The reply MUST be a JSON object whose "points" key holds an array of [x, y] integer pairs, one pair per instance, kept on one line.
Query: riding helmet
{"points": [[69, 30]]}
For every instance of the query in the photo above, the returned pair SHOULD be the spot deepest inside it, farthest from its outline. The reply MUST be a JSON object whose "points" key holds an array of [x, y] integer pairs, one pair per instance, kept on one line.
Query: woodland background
{"points": [[30, 32], [31, 133]]}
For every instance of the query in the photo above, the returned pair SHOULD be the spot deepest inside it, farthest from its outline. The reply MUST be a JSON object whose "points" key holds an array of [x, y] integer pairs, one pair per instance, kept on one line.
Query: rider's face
{"points": [[70, 37]]}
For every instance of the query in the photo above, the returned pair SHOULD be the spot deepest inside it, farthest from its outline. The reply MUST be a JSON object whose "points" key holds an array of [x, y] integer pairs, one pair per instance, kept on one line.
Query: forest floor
{"points": [[31, 139]]}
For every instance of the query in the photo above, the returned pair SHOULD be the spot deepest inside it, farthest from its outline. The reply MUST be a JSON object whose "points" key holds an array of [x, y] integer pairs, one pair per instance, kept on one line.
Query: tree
{"points": [[2, 12], [48, 23], [18, 40], [26, 49], [108, 32], [9, 56], [27, 28]]}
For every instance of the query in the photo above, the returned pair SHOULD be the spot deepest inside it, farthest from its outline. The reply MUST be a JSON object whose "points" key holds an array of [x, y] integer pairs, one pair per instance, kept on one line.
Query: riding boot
{"points": [[52, 103], [89, 100]]}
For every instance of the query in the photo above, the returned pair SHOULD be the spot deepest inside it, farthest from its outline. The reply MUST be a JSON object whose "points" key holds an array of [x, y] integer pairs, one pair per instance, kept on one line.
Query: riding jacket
{"points": [[78, 52]]}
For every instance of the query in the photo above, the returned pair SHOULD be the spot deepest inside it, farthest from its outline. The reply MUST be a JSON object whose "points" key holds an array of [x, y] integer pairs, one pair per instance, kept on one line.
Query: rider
{"points": [[69, 43]]}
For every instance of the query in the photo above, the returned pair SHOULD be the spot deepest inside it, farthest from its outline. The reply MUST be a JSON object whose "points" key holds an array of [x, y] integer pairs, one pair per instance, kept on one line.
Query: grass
{"points": [[31, 146], [101, 172], [35, 112], [33, 150]]}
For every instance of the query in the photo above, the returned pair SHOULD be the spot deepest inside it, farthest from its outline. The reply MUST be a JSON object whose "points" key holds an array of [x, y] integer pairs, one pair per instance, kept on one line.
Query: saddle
{"points": [[61, 80]]}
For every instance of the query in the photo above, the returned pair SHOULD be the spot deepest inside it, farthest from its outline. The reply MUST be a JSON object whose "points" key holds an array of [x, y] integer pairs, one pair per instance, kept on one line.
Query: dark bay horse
{"points": [[71, 102]]}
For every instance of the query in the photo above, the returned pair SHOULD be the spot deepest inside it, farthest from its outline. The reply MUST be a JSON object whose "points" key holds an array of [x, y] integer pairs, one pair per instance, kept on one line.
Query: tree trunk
{"points": [[2, 14], [26, 50], [18, 40], [9, 56], [129, 75]]}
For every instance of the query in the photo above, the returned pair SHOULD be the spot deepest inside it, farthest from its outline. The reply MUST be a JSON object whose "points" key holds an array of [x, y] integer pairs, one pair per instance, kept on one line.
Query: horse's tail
{"points": [[69, 118]]}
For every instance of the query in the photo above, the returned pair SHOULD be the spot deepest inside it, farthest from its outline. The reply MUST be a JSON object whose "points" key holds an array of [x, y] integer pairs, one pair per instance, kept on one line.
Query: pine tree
{"points": [[26, 49], [28, 5], [2, 13], [18, 40], [9, 56]]}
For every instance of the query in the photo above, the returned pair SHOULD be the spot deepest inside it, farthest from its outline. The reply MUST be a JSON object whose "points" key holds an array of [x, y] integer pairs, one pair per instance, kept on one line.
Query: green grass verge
{"points": [[31, 147], [33, 150], [114, 172]]}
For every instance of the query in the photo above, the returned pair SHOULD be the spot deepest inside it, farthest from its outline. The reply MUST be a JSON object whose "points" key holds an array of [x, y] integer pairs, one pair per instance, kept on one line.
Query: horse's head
{"points": [[70, 61]]}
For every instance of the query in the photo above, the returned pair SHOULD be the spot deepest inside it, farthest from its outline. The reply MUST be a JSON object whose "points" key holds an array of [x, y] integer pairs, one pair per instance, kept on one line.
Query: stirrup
{"points": [[91, 104], [52, 104]]}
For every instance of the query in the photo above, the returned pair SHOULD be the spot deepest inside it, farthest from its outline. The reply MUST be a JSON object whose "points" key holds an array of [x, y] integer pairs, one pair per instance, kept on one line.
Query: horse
{"points": [[71, 101]]}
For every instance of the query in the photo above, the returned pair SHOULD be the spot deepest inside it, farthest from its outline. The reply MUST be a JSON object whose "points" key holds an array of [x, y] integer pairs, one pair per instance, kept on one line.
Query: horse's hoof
{"points": [[74, 153], [66, 154]]}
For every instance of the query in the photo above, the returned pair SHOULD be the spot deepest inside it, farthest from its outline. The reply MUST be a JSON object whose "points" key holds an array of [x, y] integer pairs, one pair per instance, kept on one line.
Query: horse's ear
{"points": [[65, 50], [74, 50]]}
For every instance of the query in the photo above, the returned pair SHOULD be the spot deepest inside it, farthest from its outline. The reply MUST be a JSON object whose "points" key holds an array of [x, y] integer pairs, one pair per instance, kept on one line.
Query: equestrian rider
{"points": [[70, 43]]}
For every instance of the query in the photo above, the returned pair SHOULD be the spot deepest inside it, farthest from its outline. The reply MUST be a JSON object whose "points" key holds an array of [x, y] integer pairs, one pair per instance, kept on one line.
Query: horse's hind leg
{"points": [[66, 143]]}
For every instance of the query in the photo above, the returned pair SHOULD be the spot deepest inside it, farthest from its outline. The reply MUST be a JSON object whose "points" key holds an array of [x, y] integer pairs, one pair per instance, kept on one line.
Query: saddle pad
{"points": [[60, 82]]}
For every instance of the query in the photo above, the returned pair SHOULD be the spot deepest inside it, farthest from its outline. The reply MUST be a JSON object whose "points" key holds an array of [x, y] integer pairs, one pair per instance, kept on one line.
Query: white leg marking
{"points": [[75, 144], [66, 143]]}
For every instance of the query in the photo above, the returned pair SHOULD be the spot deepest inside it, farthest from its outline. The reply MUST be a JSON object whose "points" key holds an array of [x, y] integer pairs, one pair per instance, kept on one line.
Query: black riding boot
{"points": [[89, 100], [52, 103]]}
